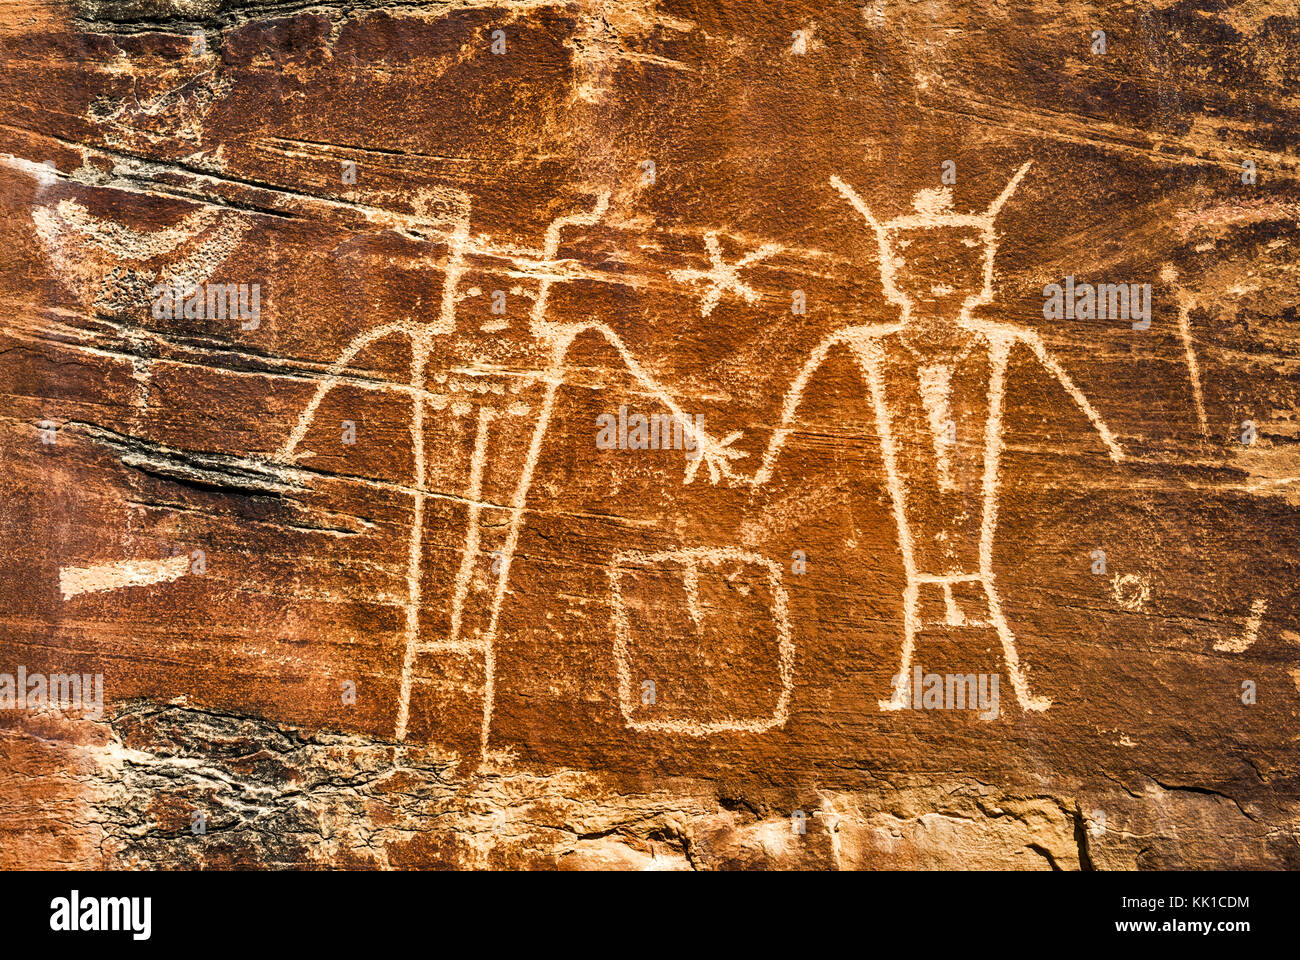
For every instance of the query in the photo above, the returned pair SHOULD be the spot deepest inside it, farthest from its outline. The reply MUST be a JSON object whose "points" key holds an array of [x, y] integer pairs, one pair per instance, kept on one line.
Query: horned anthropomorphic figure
{"points": [[936, 380], [495, 386]]}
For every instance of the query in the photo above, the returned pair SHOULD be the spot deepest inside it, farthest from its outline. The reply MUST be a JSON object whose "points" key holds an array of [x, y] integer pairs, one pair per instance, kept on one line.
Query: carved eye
{"points": [[904, 243], [970, 243]]}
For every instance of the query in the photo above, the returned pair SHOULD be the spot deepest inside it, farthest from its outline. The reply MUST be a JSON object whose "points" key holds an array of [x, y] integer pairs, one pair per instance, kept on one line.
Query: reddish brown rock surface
{"points": [[366, 588]]}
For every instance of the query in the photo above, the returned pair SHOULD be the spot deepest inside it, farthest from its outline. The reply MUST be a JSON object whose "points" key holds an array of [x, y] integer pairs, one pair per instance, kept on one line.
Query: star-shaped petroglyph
{"points": [[722, 276]]}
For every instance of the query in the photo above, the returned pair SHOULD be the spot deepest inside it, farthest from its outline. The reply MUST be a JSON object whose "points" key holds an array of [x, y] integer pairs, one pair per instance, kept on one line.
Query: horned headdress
{"points": [[933, 209]]}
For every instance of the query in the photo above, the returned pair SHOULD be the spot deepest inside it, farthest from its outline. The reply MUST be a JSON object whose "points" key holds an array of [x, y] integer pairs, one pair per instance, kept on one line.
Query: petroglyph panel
{"points": [[652, 418]]}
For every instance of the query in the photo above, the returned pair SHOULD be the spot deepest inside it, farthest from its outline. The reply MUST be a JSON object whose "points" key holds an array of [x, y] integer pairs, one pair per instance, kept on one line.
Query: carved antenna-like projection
{"points": [[996, 206], [858, 204], [932, 219]]}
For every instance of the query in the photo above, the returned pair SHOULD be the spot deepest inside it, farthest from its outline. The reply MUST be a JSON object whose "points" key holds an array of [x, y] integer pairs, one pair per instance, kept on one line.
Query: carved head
{"points": [[935, 260]]}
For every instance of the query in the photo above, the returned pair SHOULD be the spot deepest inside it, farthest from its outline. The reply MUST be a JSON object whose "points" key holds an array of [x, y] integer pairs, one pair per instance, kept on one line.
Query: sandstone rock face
{"points": [[651, 435]]}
